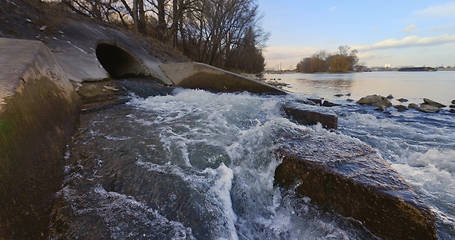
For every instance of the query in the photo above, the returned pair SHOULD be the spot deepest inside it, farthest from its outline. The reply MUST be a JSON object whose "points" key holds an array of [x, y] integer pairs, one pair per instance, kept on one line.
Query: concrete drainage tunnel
{"points": [[118, 62]]}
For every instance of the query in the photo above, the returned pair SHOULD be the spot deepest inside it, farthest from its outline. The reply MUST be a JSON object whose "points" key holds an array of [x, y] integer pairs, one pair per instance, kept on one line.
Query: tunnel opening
{"points": [[118, 62]]}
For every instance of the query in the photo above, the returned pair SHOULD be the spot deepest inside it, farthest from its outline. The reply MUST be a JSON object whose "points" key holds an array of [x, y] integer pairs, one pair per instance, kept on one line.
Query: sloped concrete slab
{"points": [[38, 116], [202, 76]]}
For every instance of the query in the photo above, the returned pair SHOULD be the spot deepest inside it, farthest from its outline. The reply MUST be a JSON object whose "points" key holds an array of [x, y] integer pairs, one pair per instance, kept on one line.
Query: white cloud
{"points": [[441, 28], [410, 41], [442, 10], [366, 55], [286, 56], [410, 29], [333, 9]]}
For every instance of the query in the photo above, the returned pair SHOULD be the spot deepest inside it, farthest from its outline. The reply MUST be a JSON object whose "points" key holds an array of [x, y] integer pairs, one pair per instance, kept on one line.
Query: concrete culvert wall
{"points": [[118, 62]]}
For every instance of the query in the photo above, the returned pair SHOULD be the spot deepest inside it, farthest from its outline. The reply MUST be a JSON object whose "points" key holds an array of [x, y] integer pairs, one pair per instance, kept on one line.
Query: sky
{"points": [[399, 33]]}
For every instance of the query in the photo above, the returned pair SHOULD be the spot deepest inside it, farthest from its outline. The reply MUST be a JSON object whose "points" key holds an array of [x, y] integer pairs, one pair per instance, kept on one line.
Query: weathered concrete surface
{"points": [[76, 51], [311, 115], [38, 116], [202, 76], [345, 175]]}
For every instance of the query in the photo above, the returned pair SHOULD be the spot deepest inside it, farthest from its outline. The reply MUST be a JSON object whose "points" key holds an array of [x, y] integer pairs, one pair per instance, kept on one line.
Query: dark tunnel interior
{"points": [[118, 62]]}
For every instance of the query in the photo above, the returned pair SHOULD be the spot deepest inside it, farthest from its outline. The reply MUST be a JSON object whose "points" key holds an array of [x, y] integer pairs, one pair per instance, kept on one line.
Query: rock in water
{"points": [[400, 108], [413, 106], [375, 100], [309, 115], [433, 103], [428, 108], [329, 104], [345, 175]]}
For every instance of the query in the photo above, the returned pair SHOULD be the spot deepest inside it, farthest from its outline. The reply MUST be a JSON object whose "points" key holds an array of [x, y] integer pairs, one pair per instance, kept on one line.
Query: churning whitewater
{"points": [[188, 165]]}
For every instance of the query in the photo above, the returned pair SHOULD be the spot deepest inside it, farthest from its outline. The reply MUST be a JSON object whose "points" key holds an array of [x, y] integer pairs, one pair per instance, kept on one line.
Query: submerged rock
{"points": [[402, 100], [400, 108], [413, 106], [329, 104], [316, 100], [345, 175], [428, 108], [375, 100], [308, 115]]}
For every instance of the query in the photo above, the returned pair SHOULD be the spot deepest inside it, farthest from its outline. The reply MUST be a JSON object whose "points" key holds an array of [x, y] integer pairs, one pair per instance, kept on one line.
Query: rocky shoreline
{"points": [[383, 103]]}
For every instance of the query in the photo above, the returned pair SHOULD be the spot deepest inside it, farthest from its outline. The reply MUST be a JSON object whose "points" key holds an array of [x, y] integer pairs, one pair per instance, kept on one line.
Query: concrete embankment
{"points": [[39, 111]]}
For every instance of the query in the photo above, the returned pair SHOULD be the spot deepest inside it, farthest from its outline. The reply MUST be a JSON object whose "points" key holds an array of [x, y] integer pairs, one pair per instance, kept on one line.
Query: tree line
{"points": [[222, 33], [341, 61]]}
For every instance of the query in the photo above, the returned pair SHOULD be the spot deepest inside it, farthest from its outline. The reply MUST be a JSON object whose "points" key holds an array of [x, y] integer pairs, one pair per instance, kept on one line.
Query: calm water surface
{"points": [[439, 86]]}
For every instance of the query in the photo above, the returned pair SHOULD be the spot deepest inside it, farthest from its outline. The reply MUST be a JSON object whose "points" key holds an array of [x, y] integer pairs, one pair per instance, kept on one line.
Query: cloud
{"points": [[441, 28], [410, 29], [442, 10], [410, 41], [280, 52], [333, 9], [286, 56]]}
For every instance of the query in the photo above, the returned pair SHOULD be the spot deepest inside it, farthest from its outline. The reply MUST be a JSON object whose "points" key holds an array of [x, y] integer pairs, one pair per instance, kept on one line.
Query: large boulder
{"points": [[375, 100], [345, 175]]}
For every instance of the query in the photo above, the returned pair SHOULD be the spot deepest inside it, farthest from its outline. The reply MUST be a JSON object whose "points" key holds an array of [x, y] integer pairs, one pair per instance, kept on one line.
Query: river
{"points": [[198, 165]]}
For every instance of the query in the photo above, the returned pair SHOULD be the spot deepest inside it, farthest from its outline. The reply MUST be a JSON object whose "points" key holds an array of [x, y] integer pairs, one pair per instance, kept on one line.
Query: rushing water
{"points": [[199, 165]]}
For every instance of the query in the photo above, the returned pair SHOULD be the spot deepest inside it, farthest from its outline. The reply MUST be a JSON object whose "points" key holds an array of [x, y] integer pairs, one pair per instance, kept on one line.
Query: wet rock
{"points": [[452, 106], [400, 108], [316, 100], [390, 96], [381, 108], [351, 178], [433, 103], [453, 101], [339, 95], [349, 94], [308, 115], [413, 106], [350, 100], [428, 108], [329, 104], [375, 100], [402, 100], [452, 110]]}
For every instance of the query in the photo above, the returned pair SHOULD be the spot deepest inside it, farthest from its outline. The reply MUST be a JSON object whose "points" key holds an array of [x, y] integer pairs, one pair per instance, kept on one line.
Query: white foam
{"points": [[222, 191]]}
